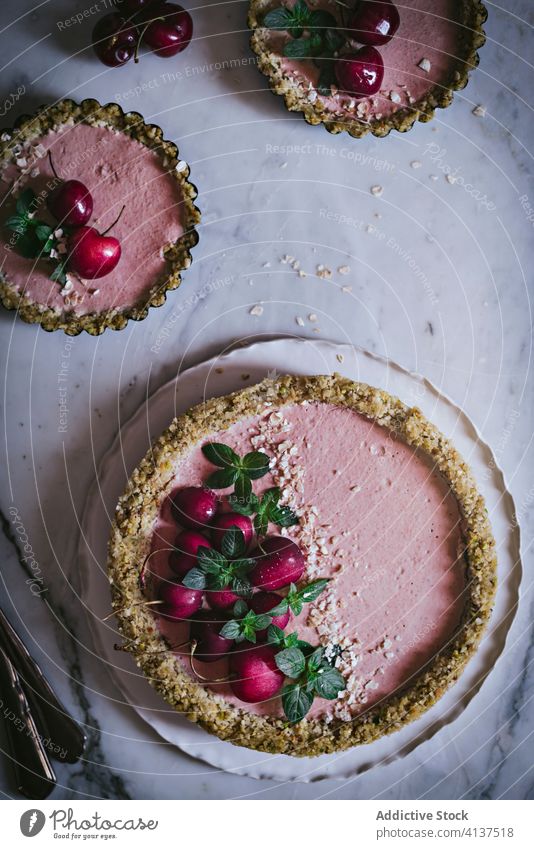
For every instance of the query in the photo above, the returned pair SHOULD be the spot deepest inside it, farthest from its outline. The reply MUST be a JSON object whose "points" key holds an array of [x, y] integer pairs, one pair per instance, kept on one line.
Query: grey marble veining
{"points": [[440, 278]]}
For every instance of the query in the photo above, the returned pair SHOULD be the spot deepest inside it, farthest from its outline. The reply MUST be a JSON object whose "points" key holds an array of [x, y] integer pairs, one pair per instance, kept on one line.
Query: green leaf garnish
{"points": [[246, 627], [222, 478], [220, 571], [221, 455], [296, 701], [329, 682], [26, 202], [233, 543], [291, 662], [296, 599]]}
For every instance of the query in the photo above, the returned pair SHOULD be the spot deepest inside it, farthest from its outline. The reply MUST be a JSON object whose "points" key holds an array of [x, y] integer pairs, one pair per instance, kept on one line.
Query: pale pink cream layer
{"points": [[118, 171], [392, 545], [428, 30]]}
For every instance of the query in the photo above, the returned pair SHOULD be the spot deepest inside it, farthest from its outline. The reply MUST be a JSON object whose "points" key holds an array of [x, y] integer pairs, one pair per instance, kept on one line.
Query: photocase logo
{"points": [[32, 822]]}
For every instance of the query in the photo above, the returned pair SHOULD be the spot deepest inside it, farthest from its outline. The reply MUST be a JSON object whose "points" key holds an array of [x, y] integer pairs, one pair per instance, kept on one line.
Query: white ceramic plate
{"points": [[247, 366]]}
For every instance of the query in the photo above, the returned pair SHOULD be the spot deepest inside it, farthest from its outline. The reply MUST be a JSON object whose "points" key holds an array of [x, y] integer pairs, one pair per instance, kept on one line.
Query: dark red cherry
{"points": [[184, 557], [71, 203], [171, 30], [179, 602], [114, 39], [205, 629], [92, 255], [374, 22], [194, 506], [360, 73]]}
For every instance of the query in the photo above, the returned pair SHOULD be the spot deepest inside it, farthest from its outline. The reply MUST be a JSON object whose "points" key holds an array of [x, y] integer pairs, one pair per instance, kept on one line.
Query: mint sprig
{"points": [[234, 470], [266, 508], [314, 676], [297, 598], [216, 570], [35, 237], [314, 31], [246, 624]]}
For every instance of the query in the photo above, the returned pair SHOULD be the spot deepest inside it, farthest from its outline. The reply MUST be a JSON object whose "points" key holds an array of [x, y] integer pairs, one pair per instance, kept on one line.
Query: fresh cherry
{"points": [[279, 562], [115, 39], [255, 675], [374, 22], [184, 558], [194, 506], [225, 521], [361, 73], [221, 599], [71, 203], [263, 603], [205, 629], [170, 31], [91, 254], [179, 602]]}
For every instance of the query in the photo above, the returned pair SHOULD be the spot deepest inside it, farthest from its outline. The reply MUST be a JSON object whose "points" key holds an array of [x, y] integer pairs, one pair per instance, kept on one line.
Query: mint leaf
{"points": [[315, 659], [333, 39], [300, 48], [59, 273], [43, 231], [195, 579], [221, 455], [291, 662], [312, 591], [210, 560], [25, 202], [255, 464], [278, 19], [240, 608], [329, 682], [241, 586], [17, 223], [296, 701], [243, 488], [222, 478], [233, 543], [283, 516], [321, 20], [261, 524], [29, 246], [231, 630], [327, 78], [275, 635], [246, 506]]}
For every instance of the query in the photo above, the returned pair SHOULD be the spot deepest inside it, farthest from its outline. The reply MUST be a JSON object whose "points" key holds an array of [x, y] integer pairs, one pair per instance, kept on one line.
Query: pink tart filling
{"points": [[376, 518], [118, 171], [424, 52]]}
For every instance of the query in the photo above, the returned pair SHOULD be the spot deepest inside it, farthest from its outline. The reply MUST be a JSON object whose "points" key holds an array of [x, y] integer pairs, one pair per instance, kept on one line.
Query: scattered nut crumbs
{"points": [[323, 272], [340, 358], [257, 310], [415, 163], [312, 317], [425, 65], [344, 269], [479, 111], [377, 191], [300, 321]]}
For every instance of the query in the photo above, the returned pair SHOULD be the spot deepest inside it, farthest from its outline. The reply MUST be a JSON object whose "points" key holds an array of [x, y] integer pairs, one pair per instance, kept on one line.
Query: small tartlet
{"points": [[471, 13], [130, 542], [65, 113]]}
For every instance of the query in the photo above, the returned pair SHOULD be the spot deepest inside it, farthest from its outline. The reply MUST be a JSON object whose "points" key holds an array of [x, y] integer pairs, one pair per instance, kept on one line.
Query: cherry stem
{"points": [[139, 40], [111, 226], [143, 570], [198, 674], [54, 172], [126, 606]]}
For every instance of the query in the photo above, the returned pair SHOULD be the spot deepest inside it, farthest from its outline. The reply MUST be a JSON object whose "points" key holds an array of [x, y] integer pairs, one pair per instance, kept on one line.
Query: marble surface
{"points": [[439, 272]]}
